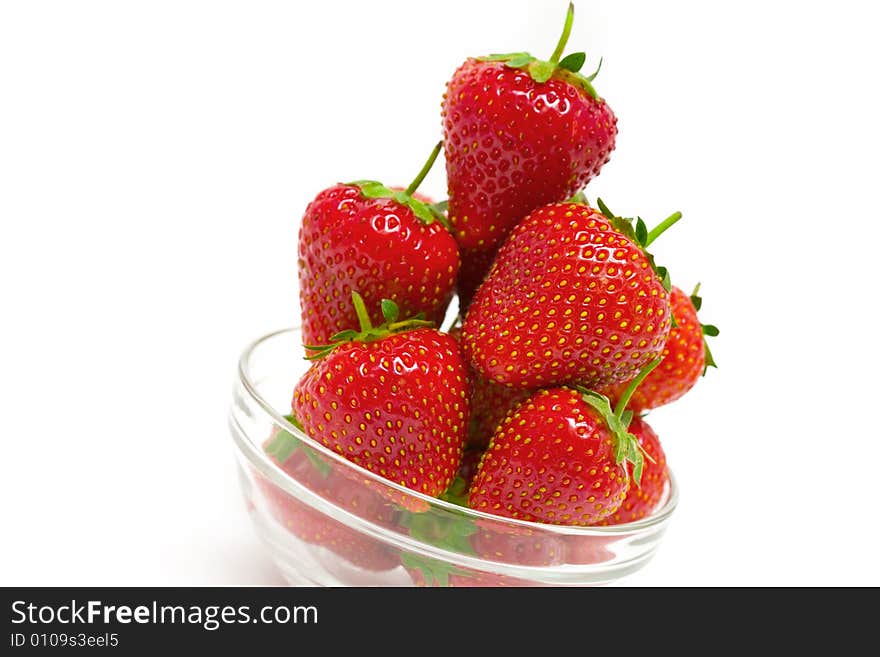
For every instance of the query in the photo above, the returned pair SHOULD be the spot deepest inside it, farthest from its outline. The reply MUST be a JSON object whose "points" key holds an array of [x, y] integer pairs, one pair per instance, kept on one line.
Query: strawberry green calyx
{"points": [[639, 233], [434, 572], [564, 68], [626, 445], [368, 332], [451, 534], [708, 329], [457, 492], [428, 213]]}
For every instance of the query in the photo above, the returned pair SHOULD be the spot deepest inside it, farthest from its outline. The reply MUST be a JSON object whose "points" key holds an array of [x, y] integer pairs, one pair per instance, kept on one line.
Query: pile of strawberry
{"points": [[532, 407]]}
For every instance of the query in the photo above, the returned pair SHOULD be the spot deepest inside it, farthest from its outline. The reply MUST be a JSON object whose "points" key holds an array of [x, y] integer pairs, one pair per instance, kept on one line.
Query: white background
{"points": [[155, 158]]}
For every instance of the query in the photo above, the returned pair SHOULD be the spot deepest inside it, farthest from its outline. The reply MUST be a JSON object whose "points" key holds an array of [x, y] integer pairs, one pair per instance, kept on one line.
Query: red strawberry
{"points": [[385, 243], [569, 299], [490, 403], [307, 468], [643, 499], [474, 265], [395, 403], [685, 357], [560, 459], [518, 133]]}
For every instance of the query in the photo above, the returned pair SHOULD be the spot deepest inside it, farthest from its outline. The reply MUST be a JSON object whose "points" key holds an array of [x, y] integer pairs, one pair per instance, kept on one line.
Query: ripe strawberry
{"points": [[518, 133], [641, 500], [391, 400], [490, 404], [686, 357], [474, 265], [570, 298], [560, 458], [387, 244], [306, 467]]}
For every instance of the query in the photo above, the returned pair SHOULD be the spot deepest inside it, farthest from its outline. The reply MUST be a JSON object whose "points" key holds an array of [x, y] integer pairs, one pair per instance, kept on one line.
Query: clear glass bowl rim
{"points": [[267, 468]]}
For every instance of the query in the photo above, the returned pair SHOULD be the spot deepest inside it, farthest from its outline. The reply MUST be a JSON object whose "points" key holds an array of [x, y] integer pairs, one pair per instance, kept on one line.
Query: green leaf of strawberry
{"points": [[373, 188], [593, 75], [541, 71], [283, 444], [626, 446], [427, 213], [707, 329], [579, 197], [640, 234], [504, 57], [434, 572], [390, 311], [452, 534], [457, 492], [685, 358], [641, 231], [368, 332], [520, 60], [566, 68], [573, 62]]}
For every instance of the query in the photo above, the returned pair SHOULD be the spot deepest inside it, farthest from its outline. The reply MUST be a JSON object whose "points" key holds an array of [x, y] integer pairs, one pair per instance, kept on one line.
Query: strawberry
{"points": [[474, 265], [393, 399], [490, 402], [560, 458], [518, 133], [387, 244], [305, 466], [686, 357], [570, 298], [642, 499]]}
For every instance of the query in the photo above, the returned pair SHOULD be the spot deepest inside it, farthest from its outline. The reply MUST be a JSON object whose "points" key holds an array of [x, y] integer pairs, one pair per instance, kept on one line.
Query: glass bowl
{"points": [[326, 521]]}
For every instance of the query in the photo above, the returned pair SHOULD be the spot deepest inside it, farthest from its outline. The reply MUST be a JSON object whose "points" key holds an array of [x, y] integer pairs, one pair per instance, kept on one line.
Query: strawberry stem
{"points": [[658, 230], [566, 32], [414, 185], [631, 388], [361, 309]]}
